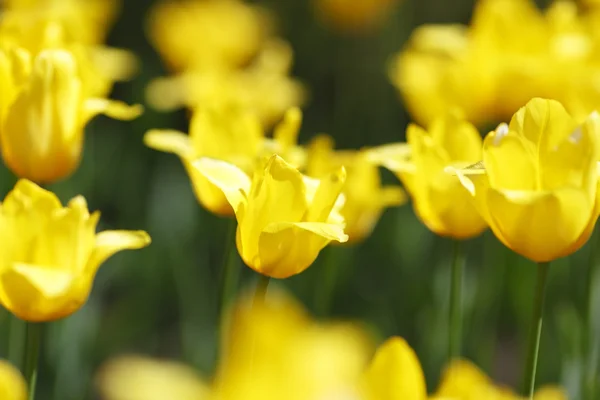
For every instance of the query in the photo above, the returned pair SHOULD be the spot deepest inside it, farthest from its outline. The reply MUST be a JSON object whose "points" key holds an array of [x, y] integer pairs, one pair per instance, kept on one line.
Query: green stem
{"points": [[326, 285], [591, 342], [230, 272], [34, 332], [536, 329], [261, 290], [16, 341], [456, 306]]}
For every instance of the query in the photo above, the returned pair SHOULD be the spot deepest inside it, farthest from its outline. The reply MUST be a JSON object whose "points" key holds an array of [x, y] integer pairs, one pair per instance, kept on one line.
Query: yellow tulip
{"points": [[537, 185], [273, 351], [354, 15], [365, 197], [44, 112], [284, 218], [12, 384], [395, 373], [264, 87], [52, 252], [231, 134], [445, 207], [207, 34], [142, 378]]}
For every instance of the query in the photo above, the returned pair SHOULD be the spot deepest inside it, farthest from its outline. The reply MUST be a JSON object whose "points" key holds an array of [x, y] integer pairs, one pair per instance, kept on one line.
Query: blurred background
{"points": [[161, 301]]}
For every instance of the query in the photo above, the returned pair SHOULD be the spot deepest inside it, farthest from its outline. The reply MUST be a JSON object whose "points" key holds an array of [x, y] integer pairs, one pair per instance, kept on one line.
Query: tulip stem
{"points": [[230, 272], [326, 285], [536, 329], [456, 309], [261, 290], [34, 332], [16, 341], [590, 340]]}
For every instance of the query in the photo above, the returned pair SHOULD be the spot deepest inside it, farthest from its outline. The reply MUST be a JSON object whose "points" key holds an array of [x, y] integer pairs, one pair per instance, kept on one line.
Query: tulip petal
{"points": [[541, 226], [38, 293], [232, 181], [111, 108], [170, 141], [461, 379], [111, 242], [12, 384], [28, 195], [550, 393], [395, 373], [395, 157], [286, 132], [458, 137], [286, 248], [326, 196]]}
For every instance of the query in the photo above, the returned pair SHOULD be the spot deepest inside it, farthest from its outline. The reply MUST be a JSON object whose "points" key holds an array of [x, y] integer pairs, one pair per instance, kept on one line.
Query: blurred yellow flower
{"points": [[537, 186], [12, 384], [445, 207], [207, 34], [365, 197], [395, 373], [462, 380], [140, 378], [228, 133], [52, 253], [264, 87], [273, 351], [43, 112], [284, 218], [354, 15]]}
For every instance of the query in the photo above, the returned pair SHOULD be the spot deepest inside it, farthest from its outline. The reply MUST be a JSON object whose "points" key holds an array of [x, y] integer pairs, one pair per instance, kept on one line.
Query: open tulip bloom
{"points": [[284, 218], [51, 253]]}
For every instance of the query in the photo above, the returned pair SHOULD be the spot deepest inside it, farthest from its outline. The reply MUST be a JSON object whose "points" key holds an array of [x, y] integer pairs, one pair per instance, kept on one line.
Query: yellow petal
{"points": [[42, 133], [170, 141], [39, 293], [395, 157], [115, 64], [231, 180], [459, 138], [111, 242], [541, 226], [395, 373], [326, 196], [111, 108], [461, 379], [12, 384], [286, 249], [140, 378], [550, 393], [286, 133], [28, 195], [509, 160]]}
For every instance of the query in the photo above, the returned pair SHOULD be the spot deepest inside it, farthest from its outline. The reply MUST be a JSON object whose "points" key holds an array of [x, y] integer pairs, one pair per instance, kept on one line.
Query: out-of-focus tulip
{"points": [[207, 34], [284, 218], [12, 384], [231, 134], [537, 185], [52, 252], [264, 87], [141, 378], [365, 197], [273, 351], [43, 112], [445, 207], [395, 373], [354, 15]]}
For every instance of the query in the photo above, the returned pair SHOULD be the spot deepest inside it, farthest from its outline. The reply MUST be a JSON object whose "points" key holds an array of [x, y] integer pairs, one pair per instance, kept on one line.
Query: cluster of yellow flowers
{"points": [[55, 74], [275, 351], [223, 53], [509, 53]]}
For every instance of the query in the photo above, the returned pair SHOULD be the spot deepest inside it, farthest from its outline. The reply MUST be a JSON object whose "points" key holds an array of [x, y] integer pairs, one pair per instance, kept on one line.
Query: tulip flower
{"points": [[284, 218], [43, 113], [52, 252], [231, 134], [537, 185], [264, 87], [12, 384], [274, 351], [445, 207], [365, 197], [207, 34]]}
